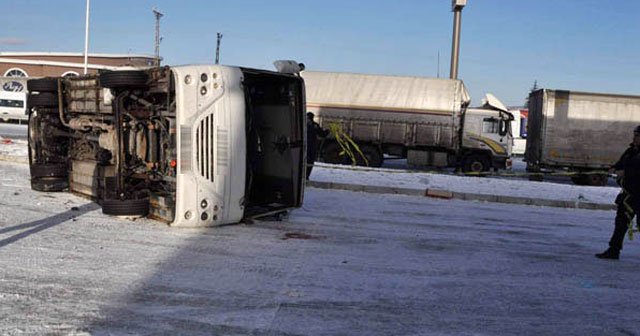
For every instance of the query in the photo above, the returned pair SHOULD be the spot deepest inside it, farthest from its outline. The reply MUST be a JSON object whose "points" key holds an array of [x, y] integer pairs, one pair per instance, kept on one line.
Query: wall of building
{"points": [[60, 64]]}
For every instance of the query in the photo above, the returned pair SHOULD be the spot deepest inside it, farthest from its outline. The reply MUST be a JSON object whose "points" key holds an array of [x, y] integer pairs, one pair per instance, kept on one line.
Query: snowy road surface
{"points": [[13, 131], [345, 264]]}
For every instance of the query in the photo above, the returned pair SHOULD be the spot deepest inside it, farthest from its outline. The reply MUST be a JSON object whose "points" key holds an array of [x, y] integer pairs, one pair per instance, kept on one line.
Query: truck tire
{"points": [[130, 207], [331, 153], [536, 177], [129, 79], [475, 163], [372, 154], [43, 85], [49, 184], [44, 99], [596, 180]]}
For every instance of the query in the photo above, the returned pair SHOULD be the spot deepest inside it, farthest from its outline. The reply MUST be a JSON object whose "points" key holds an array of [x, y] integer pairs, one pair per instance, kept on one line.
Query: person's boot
{"points": [[609, 254]]}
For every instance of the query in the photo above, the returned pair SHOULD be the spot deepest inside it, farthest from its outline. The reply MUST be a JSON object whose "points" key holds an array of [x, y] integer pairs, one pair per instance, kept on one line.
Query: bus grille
{"points": [[204, 147]]}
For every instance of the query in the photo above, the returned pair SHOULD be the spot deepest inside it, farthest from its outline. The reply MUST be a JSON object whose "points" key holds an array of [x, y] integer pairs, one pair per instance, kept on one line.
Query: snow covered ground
{"points": [[344, 264], [468, 184]]}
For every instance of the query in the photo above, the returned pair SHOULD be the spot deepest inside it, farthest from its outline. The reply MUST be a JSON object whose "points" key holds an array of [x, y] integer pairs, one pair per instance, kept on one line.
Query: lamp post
{"points": [[86, 39], [456, 7]]}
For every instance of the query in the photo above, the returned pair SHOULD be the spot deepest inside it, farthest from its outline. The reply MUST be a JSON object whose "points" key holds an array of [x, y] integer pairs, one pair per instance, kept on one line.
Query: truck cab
{"points": [[487, 139], [192, 146]]}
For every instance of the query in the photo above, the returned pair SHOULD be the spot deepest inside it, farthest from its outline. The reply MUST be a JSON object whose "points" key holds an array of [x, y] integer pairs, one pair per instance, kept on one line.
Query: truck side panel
{"points": [[388, 127], [390, 110], [579, 130]]}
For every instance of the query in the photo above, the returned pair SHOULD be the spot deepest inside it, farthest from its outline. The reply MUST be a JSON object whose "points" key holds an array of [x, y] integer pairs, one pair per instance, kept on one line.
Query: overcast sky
{"points": [[587, 45]]}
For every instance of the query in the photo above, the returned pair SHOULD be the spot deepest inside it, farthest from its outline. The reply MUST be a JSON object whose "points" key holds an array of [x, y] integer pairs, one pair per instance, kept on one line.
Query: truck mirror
{"points": [[503, 127]]}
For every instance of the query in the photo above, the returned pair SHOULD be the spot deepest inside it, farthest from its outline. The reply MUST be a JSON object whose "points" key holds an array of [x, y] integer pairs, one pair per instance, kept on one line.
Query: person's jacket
{"points": [[313, 132], [630, 163]]}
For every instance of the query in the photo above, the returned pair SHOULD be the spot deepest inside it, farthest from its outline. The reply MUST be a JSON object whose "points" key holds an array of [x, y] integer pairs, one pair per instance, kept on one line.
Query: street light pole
{"points": [[86, 39], [456, 7]]}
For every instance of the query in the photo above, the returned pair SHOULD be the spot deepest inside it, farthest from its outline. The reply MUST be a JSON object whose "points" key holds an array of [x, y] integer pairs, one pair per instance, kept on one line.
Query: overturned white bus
{"points": [[191, 146]]}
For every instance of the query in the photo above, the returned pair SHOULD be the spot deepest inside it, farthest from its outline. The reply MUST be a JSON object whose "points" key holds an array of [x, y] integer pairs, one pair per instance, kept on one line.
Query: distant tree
{"points": [[533, 88]]}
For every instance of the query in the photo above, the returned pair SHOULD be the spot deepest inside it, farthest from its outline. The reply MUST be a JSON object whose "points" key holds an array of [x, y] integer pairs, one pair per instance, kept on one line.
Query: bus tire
{"points": [[43, 85], [49, 170], [49, 184], [44, 99], [129, 79], [127, 207]]}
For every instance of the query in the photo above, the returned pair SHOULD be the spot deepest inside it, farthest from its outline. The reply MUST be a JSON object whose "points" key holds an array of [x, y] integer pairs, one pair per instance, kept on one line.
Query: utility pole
{"points": [[456, 7], [158, 38], [218, 48]]}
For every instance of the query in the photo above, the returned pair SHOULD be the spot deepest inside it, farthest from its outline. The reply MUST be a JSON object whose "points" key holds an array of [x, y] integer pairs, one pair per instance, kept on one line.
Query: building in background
{"points": [[43, 64], [17, 67]]}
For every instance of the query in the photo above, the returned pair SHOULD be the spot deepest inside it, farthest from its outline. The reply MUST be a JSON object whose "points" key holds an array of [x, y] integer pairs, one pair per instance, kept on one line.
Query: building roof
{"points": [[44, 53]]}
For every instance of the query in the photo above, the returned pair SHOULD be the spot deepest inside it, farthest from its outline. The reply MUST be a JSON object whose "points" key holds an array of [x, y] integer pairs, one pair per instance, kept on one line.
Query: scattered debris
{"points": [[298, 235]]}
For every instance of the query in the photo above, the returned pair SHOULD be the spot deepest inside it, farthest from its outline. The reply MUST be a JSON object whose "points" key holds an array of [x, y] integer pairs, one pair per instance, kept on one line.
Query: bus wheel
{"points": [[42, 85], [44, 99], [129, 79], [49, 184], [127, 207]]}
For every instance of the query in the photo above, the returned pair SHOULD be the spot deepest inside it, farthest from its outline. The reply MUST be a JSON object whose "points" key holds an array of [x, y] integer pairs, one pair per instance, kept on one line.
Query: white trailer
{"points": [[579, 132], [425, 120]]}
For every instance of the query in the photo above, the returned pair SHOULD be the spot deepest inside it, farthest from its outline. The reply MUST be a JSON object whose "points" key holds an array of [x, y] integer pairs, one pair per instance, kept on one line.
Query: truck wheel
{"points": [[372, 154], [130, 207], [475, 164], [44, 99], [42, 85], [536, 178], [49, 184], [128, 79], [331, 154], [596, 180], [579, 179]]}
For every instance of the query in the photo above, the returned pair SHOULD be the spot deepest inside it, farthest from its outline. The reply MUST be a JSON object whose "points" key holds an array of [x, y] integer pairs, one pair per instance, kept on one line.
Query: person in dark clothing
{"points": [[628, 201], [313, 132]]}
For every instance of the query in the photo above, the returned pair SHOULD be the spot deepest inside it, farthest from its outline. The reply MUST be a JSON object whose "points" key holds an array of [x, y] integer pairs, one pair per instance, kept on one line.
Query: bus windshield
{"points": [[11, 103]]}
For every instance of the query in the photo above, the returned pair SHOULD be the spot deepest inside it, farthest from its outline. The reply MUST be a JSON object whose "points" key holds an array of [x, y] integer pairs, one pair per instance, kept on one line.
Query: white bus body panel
{"points": [[211, 145]]}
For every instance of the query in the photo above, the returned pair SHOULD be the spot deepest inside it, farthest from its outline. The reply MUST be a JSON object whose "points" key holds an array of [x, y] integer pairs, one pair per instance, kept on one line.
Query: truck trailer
{"points": [[425, 120], [579, 132], [191, 146]]}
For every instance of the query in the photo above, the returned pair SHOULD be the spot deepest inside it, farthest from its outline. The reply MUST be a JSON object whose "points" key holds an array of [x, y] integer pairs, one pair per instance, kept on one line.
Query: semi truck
{"points": [[425, 120], [581, 133], [192, 146]]}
